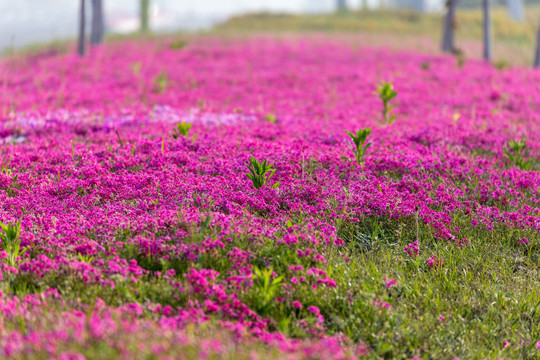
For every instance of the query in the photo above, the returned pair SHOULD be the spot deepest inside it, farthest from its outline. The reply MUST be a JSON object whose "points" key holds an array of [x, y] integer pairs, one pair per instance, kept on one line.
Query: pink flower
{"points": [[433, 262], [315, 310], [381, 304], [297, 304], [523, 241], [412, 248], [390, 282]]}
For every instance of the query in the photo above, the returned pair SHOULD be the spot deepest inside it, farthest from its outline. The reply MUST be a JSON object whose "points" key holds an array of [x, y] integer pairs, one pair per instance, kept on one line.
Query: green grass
{"points": [[514, 42], [487, 290]]}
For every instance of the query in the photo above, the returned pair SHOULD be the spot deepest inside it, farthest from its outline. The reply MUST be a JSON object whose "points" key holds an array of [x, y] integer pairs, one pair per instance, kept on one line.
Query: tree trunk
{"points": [[98, 26], [82, 26], [516, 9], [537, 53], [486, 7], [449, 26], [145, 5], [341, 5]]}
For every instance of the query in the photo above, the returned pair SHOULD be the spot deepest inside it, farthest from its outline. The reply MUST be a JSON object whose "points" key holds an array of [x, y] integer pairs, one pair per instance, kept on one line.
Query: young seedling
{"points": [[11, 242], [119, 138], [387, 93], [517, 152], [267, 288], [86, 258], [260, 173], [6, 166], [182, 129], [160, 83], [359, 146], [271, 118]]}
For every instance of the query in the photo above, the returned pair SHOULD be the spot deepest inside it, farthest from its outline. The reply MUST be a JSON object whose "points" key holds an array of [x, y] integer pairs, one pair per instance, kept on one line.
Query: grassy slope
{"points": [[487, 292], [513, 41]]}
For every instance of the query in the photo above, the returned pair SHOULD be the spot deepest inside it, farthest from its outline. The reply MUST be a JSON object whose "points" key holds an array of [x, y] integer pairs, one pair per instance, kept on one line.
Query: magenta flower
{"points": [[390, 282], [412, 248], [433, 262], [315, 310]]}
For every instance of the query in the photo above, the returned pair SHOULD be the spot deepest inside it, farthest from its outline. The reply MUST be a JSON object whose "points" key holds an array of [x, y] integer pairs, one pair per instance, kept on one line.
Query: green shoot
{"points": [[11, 242], [271, 118], [387, 93], [517, 152], [182, 129], [359, 146], [260, 173], [160, 83], [6, 166], [119, 138], [266, 288], [86, 258]]}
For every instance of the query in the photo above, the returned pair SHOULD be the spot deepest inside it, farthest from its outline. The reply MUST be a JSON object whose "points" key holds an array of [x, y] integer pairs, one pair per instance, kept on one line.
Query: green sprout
{"points": [[260, 173], [517, 152], [11, 242], [271, 118], [160, 83], [387, 93], [182, 129], [266, 289], [359, 146], [86, 258], [6, 166]]}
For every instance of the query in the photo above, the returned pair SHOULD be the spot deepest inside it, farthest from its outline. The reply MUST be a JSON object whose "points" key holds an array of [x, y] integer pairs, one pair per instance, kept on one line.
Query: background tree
{"points": [[82, 25], [145, 8], [486, 8], [516, 9], [98, 23], [536, 63], [449, 26], [341, 5]]}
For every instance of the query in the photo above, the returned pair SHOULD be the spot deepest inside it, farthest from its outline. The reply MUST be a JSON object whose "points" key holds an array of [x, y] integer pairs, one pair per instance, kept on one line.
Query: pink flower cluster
{"points": [[108, 198]]}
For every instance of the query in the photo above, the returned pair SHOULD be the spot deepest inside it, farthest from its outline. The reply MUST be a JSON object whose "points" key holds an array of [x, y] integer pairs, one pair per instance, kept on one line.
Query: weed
{"points": [[266, 288], [160, 83], [86, 258], [260, 173], [387, 93], [182, 129], [517, 153], [271, 118], [359, 146], [6, 166], [119, 138], [11, 242]]}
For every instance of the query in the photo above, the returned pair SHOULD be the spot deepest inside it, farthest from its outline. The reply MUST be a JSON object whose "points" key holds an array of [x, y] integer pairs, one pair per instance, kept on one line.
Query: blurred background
{"points": [[410, 24]]}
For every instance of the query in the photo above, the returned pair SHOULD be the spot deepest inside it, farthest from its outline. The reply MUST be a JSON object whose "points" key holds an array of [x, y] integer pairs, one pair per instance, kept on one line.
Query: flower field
{"points": [[131, 230]]}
